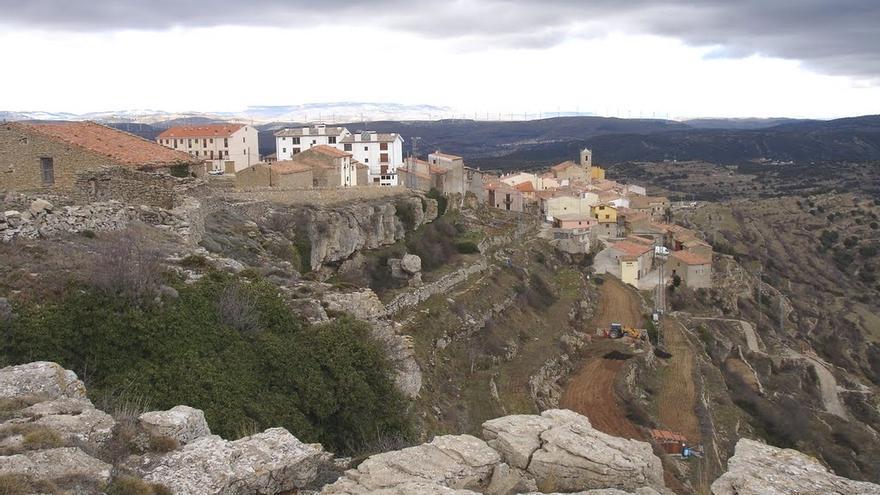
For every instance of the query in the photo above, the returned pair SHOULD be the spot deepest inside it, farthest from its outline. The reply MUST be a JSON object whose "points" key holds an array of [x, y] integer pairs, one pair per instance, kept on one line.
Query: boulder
{"points": [[39, 206], [69, 468], [183, 424], [460, 462], [561, 450], [396, 266], [362, 304], [411, 264], [13, 218], [270, 462], [759, 469], [75, 420], [46, 380]]}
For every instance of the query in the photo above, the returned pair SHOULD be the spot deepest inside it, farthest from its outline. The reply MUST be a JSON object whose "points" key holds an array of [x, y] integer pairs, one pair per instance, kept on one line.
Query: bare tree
{"points": [[127, 265]]}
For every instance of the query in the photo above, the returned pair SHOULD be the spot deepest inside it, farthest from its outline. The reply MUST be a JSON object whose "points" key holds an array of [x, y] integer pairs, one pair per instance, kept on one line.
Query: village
{"points": [[629, 233]]}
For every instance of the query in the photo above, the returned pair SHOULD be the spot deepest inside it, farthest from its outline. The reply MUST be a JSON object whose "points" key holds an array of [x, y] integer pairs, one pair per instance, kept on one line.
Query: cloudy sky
{"points": [[675, 58]]}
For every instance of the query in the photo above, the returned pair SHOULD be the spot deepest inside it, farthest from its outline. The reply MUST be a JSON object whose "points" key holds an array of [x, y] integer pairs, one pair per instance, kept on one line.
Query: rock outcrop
{"points": [[180, 424], [759, 469], [451, 461], [558, 450], [68, 467], [336, 233], [47, 381]]}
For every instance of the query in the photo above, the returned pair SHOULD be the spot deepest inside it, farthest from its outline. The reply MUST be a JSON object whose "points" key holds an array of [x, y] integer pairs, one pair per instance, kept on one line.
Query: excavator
{"points": [[617, 331]]}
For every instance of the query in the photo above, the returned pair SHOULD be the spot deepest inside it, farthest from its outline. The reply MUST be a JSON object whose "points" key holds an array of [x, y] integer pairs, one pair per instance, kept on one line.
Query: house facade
{"points": [[654, 206], [50, 156], [224, 147], [694, 269], [382, 152], [635, 258], [290, 141], [454, 167], [504, 197]]}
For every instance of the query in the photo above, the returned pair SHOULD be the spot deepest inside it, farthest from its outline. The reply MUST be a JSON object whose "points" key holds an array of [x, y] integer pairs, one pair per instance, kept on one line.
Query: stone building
{"points": [[320, 166], [504, 197], [694, 269], [49, 156], [225, 147], [454, 167]]}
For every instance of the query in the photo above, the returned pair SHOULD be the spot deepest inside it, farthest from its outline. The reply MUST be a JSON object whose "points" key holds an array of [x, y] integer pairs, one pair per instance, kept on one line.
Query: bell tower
{"points": [[587, 160]]}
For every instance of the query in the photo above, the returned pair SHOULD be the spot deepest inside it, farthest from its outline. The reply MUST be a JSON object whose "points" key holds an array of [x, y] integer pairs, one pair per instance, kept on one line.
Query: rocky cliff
{"points": [[52, 439]]}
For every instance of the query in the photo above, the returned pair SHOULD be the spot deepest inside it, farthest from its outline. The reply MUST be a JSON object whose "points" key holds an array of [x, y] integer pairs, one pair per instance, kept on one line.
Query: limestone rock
{"points": [[561, 449], [759, 469], [68, 467], [40, 206], [411, 264], [509, 481], [182, 423], [454, 461], [6, 313], [362, 304], [46, 380], [75, 420], [396, 266], [270, 462]]}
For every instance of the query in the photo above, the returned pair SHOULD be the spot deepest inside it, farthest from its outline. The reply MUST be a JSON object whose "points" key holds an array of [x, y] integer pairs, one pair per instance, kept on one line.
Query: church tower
{"points": [[587, 160]]}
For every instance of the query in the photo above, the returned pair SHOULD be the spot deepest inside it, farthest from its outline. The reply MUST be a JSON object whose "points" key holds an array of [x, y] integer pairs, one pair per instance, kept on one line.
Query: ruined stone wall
{"points": [[414, 296], [134, 187], [317, 196]]}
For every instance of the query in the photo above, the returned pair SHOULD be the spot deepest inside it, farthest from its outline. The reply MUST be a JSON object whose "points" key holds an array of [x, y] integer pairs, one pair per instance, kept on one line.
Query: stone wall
{"points": [[43, 219], [317, 196], [20, 168], [414, 296], [135, 187]]}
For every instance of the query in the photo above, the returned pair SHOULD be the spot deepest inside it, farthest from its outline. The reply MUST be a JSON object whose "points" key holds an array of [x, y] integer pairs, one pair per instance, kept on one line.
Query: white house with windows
{"points": [[226, 147], [381, 152], [289, 142]]}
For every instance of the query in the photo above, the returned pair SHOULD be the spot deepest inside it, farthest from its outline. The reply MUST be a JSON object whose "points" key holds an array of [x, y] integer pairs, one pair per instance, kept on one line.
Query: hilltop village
{"points": [[630, 232]]}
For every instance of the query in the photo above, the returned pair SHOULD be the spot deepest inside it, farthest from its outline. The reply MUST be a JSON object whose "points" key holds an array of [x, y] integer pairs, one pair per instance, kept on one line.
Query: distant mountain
{"points": [[743, 124], [328, 112], [854, 139]]}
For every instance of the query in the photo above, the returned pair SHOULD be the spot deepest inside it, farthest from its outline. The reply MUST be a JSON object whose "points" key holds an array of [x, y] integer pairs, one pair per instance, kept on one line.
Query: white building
{"points": [[226, 147], [381, 152], [289, 142]]}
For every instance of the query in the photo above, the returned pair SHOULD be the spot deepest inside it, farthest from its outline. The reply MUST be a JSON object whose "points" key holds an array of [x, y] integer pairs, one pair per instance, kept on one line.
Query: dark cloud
{"points": [[833, 36]]}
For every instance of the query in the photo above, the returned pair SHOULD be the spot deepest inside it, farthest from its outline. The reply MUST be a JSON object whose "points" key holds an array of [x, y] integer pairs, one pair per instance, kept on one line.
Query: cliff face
{"points": [[334, 233], [52, 436]]}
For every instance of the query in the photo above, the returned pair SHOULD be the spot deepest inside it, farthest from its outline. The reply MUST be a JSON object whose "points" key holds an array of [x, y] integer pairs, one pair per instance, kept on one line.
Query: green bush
{"points": [[179, 170], [406, 215], [442, 201], [327, 383], [467, 247]]}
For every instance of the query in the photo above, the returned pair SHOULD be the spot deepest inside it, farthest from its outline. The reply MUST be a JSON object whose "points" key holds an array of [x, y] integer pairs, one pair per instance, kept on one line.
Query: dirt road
{"points": [[677, 399], [591, 391]]}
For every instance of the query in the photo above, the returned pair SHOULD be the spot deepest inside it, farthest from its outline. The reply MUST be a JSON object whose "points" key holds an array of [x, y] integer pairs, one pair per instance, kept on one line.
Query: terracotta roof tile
{"points": [[200, 131], [559, 167], [629, 248], [691, 258], [446, 156], [121, 147], [287, 167], [525, 187], [328, 150]]}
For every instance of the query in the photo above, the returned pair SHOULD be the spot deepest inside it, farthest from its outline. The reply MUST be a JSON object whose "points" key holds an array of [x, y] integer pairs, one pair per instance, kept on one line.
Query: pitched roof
{"points": [[200, 131], [641, 202], [119, 146], [559, 167], [446, 156], [691, 258], [630, 248], [328, 150], [372, 137], [575, 217], [287, 167], [525, 187], [313, 131]]}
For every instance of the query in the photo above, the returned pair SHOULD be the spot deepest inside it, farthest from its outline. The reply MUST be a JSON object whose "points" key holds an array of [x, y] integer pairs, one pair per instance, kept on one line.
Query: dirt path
{"points": [[591, 390], [677, 399], [827, 385]]}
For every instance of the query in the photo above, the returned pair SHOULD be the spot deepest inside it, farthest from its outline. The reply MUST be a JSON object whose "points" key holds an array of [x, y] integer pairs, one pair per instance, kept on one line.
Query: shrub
{"points": [[179, 171], [327, 383], [467, 247], [130, 485], [42, 438], [442, 201], [195, 261], [14, 484], [126, 266], [405, 214], [88, 234]]}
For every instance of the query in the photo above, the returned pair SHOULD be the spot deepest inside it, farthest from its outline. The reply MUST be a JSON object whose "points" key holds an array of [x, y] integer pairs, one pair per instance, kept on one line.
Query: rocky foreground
{"points": [[53, 440]]}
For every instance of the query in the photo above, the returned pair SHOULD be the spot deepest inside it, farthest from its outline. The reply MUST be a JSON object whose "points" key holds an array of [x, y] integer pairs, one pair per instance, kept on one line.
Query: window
{"points": [[331, 139], [294, 151], [47, 165], [314, 141], [189, 143], [347, 147], [295, 140], [366, 148], [212, 154], [243, 139], [366, 160], [212, 140], [197, 153], [284, 150], [175, 143], [226, 144], [376, 180], [204, 143], [383, 157], [383, 146]]}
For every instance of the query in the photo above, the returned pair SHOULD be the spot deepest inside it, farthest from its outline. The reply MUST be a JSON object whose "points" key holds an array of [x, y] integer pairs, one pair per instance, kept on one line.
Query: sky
{"points": [[663, 58]]}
